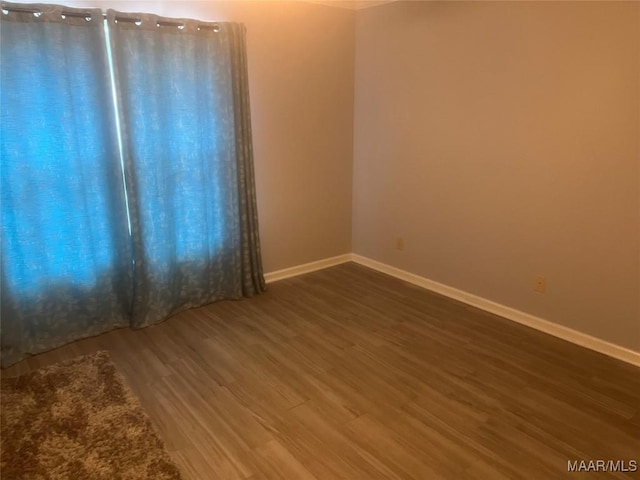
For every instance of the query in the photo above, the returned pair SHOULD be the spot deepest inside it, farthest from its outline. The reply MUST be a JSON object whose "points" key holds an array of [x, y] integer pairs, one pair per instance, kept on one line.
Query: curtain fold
{"points": [[66, 252], [251, 263], [184, 114]]}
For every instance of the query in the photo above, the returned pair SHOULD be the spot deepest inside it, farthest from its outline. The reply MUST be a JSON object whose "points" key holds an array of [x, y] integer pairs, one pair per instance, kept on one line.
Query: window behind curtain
{"points": [[72, 264], [183, 99], [66, 257]]}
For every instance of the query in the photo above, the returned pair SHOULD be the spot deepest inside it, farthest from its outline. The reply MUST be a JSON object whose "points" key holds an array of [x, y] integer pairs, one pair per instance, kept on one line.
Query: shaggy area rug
{"points": [[78, 420]]}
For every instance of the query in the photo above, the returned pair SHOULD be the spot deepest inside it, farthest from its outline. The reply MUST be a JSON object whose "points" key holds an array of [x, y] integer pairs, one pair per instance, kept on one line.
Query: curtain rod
{"points": [[160, 23]]}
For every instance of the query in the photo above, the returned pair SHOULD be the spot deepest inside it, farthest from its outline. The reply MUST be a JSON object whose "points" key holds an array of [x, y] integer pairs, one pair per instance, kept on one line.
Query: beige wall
{"points": [[301, 59], [500, 139]]}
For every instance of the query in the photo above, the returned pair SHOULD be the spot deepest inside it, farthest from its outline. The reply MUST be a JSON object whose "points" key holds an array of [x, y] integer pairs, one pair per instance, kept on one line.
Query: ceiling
{"points": [[352, 4]]}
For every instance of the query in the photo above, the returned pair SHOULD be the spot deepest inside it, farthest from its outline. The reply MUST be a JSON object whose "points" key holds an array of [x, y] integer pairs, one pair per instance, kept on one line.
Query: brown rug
{"points": [[78, 420]]}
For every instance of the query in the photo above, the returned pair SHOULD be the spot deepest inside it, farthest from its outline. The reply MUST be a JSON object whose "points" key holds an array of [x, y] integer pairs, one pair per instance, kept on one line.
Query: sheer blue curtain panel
{"points": [[66, 255], [183, 99], [127, 181]]}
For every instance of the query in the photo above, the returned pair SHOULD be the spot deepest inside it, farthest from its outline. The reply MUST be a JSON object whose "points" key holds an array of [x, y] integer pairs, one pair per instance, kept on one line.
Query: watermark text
{"points": [[602, 465]]}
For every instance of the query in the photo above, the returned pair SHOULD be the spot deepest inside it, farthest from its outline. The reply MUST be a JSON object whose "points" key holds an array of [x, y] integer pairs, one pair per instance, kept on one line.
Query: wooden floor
{"points": [[348, 373]]}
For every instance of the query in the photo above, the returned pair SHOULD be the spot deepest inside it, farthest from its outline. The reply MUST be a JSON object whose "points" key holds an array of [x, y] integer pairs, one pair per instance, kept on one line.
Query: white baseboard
{"points": [[551, 328], [573, 336], [306, 268]]}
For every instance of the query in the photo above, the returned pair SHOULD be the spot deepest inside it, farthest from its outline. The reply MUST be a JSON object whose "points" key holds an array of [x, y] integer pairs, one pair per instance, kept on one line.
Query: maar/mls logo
{"points": [[602, 466]]}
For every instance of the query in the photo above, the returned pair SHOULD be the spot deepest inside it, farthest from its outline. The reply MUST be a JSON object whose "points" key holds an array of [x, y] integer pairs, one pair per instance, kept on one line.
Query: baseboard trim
{"points": [[537, 323], [307, 268], [565, 333]]}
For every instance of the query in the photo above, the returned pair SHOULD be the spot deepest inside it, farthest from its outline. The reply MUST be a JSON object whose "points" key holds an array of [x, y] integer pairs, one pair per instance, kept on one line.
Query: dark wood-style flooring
{"points": [[350, 374]]}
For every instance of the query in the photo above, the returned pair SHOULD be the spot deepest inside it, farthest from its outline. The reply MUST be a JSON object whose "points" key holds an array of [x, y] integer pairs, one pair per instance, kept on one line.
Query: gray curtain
{"points": [[66, 256], [91, 240], [184, 110]]}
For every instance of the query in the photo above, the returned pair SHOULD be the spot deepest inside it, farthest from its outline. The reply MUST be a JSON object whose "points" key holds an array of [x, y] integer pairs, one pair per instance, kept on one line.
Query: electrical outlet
{"points": [[400, 243], [540, 284]]}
